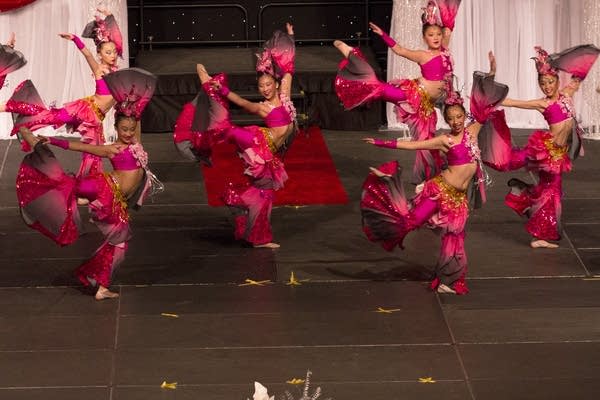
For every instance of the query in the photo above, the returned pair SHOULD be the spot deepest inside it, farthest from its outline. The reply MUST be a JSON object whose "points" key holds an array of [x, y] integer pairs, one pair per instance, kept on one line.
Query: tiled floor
{"points": [[529, 329]]}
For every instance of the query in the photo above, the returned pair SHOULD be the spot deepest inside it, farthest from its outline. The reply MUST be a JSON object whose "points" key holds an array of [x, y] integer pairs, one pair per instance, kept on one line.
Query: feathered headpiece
{"points": [[542, 62], [264, 64], [431, 14], [104, 31]]}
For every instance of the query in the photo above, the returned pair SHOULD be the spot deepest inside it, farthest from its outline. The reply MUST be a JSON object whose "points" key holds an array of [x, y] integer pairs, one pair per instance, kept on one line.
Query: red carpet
{"points": [[313, 178]]}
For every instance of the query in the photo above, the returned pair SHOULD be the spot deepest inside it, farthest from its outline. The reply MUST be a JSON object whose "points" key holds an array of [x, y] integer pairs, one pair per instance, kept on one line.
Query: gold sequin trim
{"points": [[426, 107], [269, 138], [451, 196], [556, 152], [92, 102], [120, 202]]}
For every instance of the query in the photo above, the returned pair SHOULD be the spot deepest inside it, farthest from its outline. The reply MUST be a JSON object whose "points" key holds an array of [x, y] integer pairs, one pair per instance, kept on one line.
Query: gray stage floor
{"points": [[530, 329]]}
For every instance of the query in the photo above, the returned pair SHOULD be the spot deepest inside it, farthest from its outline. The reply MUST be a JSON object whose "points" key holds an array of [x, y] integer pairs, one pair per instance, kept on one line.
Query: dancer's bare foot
{"points": [[445, 289], [269, 245], [343, 47], [378, 172], [104, 293], [542, 244], [202, 73]]}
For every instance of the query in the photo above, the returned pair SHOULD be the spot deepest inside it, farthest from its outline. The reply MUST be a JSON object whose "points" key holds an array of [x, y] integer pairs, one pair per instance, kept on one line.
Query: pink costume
{"points": [[83, 115], [388, 217], [356, 84], [205, 122], [541, 202], [48, 196]]}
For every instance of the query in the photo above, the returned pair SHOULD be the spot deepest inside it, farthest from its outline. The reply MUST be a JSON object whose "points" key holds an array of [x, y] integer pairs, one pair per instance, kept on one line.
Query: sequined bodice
{"points": [[560, 110], [465, 152], [439, 68], [278, 116]]}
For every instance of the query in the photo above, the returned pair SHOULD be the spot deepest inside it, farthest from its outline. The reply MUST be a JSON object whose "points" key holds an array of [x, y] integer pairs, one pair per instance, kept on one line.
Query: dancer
{"points": [[10, 59], [206, 122], [83, 115], [442, 204], [548, 153], [47, 195], [415, 99]]}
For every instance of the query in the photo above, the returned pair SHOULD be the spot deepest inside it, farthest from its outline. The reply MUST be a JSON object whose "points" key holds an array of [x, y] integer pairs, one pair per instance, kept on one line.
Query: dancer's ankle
{"points": [[343, 47], [202, 73]]}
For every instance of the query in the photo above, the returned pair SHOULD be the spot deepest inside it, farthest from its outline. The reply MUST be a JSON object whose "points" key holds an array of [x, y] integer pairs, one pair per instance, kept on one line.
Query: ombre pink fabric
{"points": [[388, 217]]}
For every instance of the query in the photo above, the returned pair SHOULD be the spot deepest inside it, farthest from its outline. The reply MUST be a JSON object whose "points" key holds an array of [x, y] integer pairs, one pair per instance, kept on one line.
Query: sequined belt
{"points": [[449, 193], [426, 106], [269, 138], [94, 106], [556, 152], [120, 202]]}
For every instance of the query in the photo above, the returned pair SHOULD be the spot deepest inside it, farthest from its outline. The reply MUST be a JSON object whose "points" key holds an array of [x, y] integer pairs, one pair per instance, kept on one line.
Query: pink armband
{"points": [[388, 40], [62, 143], [390, 143], [80, 45]]}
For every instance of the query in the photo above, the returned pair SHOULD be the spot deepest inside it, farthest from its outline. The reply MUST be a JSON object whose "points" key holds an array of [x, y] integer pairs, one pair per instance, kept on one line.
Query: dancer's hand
{"points": [[112, 150], [68, 36], [43, 139], [368, 140], [290, 28], [104, 11], [492, 59], [376, 29], [11, 40]]}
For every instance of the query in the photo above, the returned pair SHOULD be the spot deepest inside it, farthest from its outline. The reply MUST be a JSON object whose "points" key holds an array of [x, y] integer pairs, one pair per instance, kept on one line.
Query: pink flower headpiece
{"points": [[453, 98], [264, 64], [104, 31], [431, 14], [541, 63]]}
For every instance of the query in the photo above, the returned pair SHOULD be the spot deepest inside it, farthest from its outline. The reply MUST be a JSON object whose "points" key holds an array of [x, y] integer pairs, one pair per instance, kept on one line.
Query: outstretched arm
{"points": [[413, 55], [108, 151], [84, 50], [446, 34], [441, 142], [572, 87], [536, 104]]}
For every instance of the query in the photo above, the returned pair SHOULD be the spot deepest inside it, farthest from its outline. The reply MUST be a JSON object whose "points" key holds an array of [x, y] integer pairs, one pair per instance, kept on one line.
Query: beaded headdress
{"points": [[542, 63], [431, 14], [104, 31]]}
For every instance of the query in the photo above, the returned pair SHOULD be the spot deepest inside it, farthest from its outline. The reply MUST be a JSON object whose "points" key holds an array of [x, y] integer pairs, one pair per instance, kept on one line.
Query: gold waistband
{"points": [[426, 107], [119, 198], [269, 138], [449, 193], [92, 102], [556, 152]]}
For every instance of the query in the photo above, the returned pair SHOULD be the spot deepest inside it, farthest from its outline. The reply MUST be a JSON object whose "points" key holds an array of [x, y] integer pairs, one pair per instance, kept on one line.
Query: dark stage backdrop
{"points": [[232, 23]]}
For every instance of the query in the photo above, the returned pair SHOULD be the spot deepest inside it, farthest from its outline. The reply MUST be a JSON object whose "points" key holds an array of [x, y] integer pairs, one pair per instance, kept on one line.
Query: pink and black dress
{"points": [[387, 216], [356, 84], [83, 116], [205, 122], [541, 203], [48, 202]]}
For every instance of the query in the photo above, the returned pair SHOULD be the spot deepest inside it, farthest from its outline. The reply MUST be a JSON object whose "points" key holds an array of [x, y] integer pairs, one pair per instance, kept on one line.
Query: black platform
{"points": [[316, 67]]}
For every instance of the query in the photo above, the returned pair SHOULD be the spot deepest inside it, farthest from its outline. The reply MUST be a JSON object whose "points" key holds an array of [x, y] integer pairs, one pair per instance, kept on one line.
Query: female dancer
{"points": [[47, 195], [83, 115], [442, 203], [549, 153], [10, 59], [261, 149], [356, 82]]}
